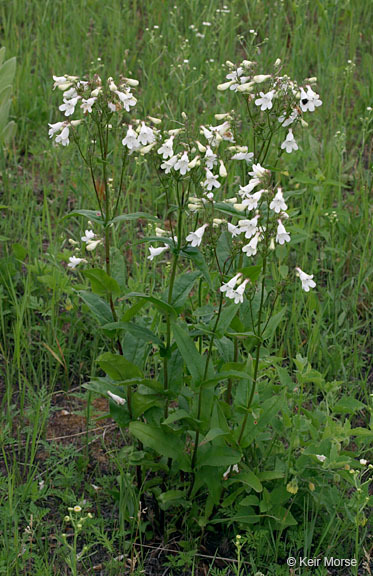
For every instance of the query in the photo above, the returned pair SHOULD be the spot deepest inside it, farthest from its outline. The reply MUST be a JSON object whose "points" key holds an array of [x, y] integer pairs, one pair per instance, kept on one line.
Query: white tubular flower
{"points": [[306, 279], [250, 227], [246, 190], [222, 170], [289, 144], [282, 236], [289, 120], [234, 230], [72, 93], [236, 78], [168, 164], [261, 78], [117, 399], [68, 106], [309, 100], [238, 293], [182, 164], [321, 457], [156, 251], [258, 171], [86, 105], [112, 107], [252, 247], [211, 181], [251, 202], [146, 135], [63, 137], [166, 150], [59, 80], [89, 236], [265, 100], [126, 98], [278, 202], [131, 140], [243, 154], [74, 262], [239, 207], [195, 238], [54, 128], [228, 287], [210, 158], [223, 130]]}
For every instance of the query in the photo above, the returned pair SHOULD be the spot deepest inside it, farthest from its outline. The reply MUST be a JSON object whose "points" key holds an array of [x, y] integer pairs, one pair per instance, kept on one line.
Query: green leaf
{"points": [[163, 439], [348, 405], [249, 478], [143, 402], [98, 307], [172, 498], [218, 456], [133, 216], [192, 358], [273, 323], [182, 288], [226, 317], [118, 367], [93, 215], [181, 414], [212, 434], [101, 283], [196, 256], [224, 248], [8, 132], [139, 331], [7, 72], [251, 272], [2, 55], [157, 303]]}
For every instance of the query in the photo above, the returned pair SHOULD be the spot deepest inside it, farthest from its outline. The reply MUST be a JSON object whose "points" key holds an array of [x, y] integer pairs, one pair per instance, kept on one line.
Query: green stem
{"points": [[194, 457]]}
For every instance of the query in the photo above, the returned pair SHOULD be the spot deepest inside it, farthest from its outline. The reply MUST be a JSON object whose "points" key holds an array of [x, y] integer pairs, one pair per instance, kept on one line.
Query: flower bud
{"points": [[222, 170], [96, 92], [261, 78], [132, 82], [184, 116], [65, 86], [201, 147], [175, 131], [223, 116], [147, 148], [230, 64], [155, 120], [225, 86], [246, 88], [239, 207], [278, 62], [76, 122], [217, 222], [247, 63], [195, 162]]}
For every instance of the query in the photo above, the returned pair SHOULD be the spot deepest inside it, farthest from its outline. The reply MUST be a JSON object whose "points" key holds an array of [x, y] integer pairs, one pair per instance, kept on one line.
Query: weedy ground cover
{"points": [[171, 398]]}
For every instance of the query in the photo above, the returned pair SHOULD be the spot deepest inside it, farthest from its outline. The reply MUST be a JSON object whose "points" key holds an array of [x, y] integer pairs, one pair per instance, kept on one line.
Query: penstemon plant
{"points": [[193, 379]]}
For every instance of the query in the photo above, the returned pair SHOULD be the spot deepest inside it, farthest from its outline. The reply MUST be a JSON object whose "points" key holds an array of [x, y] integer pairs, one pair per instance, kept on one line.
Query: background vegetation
{"points": [[47, 347]]}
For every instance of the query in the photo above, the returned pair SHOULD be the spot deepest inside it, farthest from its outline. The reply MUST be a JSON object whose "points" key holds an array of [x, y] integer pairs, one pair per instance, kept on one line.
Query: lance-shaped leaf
{"points": [[192, 358], [118, 367], [101, 283]]}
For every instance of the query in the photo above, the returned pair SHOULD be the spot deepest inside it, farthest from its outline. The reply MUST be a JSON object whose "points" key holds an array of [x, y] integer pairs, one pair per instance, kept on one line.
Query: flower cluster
{"points": [[281, 96], [91, 241], [88, 97]]}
